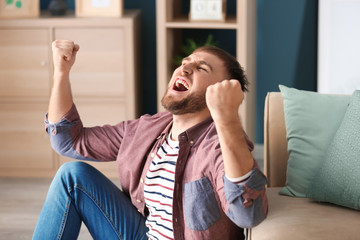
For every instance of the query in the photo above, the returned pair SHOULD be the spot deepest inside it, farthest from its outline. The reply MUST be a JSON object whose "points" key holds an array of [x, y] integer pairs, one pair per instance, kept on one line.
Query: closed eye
{"points": [[201, 68]]}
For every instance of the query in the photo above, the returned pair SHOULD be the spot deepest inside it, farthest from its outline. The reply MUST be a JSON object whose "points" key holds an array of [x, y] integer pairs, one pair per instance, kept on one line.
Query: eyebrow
{"points": [[201, 63]]}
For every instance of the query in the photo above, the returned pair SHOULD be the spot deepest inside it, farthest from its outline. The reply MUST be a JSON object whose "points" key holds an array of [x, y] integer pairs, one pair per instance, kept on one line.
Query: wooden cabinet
{"points": [[24, 146], [24, 58], [170, 22], [104, 84]]}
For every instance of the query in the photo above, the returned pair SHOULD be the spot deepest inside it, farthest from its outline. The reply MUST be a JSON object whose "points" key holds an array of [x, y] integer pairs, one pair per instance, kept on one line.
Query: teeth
{"points": [[182, 82]]}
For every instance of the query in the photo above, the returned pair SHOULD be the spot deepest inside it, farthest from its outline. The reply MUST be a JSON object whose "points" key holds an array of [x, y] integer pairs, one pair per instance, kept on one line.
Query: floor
{"points": [[20, 205], [21, 202]]}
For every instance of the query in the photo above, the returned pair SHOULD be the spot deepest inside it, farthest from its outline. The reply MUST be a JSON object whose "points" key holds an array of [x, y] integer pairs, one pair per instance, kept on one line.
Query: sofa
{"points": [[292, 217]]}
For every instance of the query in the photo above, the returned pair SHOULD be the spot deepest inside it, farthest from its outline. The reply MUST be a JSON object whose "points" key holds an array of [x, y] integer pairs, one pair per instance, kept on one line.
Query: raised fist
{"points": [[64, 55], [223, 100]]}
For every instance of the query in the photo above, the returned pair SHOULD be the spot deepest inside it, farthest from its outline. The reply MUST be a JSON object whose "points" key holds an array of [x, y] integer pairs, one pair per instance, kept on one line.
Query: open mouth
{"points": [[181, 85]]}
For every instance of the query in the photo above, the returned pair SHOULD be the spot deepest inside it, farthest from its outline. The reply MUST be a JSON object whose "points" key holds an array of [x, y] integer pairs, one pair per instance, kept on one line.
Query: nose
{"points": [[186, 69]]}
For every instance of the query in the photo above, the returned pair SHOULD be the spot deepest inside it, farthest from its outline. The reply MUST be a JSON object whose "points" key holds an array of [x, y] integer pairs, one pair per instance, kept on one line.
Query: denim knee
{"points": [[70, 172], [73, 167]]}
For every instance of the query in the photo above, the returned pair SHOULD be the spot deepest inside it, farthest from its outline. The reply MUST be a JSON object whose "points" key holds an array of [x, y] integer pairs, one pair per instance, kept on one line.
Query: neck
{"points": [[185, 121]]}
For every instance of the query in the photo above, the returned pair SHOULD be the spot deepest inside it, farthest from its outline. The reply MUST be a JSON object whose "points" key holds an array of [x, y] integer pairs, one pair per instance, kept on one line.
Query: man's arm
{"points": [[246, 202], [223, 100], [61, 101], [67, 135]]}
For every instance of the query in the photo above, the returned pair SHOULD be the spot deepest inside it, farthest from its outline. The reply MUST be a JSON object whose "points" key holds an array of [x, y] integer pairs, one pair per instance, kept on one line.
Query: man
{"points": [[185, 174]]}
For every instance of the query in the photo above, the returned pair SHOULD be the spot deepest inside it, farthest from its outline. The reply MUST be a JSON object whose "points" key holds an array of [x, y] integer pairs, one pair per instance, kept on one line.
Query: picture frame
{"points": [[19, 9], [99, 8], [207, 10]]}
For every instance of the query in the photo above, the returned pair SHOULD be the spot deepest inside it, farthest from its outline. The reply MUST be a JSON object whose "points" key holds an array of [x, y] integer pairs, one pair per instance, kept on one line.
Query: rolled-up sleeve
{"points": [[247, 202], [69, 138]]}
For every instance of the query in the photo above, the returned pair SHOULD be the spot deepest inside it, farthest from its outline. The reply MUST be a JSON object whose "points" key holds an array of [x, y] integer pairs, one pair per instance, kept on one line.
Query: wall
{"points": [[286, 48], [339, 48]]}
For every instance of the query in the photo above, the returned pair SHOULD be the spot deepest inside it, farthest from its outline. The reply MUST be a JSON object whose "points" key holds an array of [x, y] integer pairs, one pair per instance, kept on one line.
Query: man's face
{"points": [[188, 84]]}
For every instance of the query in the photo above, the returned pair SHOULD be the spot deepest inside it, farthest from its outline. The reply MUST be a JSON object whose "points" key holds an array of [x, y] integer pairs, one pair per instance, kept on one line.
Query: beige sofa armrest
{"points": [[275, 143]]}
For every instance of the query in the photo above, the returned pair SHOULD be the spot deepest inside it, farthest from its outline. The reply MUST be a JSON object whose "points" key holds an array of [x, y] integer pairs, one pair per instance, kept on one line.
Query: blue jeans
{"points": [[79, 193]]}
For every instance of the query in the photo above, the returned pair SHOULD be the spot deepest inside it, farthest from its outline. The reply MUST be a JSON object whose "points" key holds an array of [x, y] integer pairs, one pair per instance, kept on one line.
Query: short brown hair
{"points": [[233, 67]]}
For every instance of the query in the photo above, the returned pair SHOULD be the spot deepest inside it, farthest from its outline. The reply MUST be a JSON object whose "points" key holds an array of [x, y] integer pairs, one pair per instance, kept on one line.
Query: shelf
{"points": [[184, 22]]}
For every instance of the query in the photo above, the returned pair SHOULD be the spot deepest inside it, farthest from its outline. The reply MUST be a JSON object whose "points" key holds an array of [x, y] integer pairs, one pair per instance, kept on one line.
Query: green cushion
{"points": [[311, 120], [337, 180]]}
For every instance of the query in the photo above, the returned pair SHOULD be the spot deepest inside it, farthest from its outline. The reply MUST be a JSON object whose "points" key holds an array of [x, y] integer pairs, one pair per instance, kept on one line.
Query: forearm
{"points": [[64, 55], [223, 100], [238, 160], [61, 99]]}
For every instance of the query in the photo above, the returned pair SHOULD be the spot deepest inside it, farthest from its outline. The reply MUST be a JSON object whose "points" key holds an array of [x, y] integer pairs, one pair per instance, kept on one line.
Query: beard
{"points": [[194, 102]]}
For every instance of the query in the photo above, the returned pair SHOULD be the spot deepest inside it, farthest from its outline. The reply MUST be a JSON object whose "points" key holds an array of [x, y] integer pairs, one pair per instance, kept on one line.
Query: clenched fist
{"points": [[223, 100], [64, 55]]}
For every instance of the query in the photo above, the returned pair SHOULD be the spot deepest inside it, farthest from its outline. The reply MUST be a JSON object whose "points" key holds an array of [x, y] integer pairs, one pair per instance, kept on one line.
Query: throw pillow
{"points": [[311, 120], [337, 180]]}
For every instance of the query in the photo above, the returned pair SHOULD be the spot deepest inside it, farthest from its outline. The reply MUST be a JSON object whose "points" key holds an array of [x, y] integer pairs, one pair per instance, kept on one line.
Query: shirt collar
{"points": [[192, 134]]}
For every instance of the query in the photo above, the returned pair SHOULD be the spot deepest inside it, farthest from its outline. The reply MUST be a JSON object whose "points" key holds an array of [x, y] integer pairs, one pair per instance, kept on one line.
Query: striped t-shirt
{"points": [[159, 189]]}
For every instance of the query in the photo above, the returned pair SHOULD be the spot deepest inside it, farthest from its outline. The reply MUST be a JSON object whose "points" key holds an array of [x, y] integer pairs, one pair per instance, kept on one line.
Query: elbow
{"points": [[248, 217], [254, 220], [64, 146], [61, 142], [61, 145]]}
